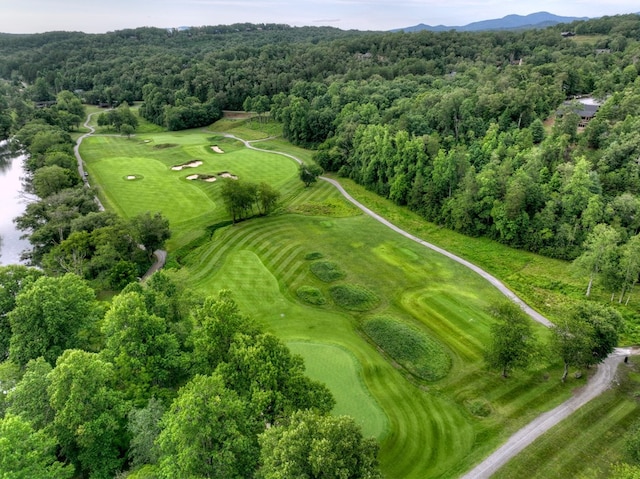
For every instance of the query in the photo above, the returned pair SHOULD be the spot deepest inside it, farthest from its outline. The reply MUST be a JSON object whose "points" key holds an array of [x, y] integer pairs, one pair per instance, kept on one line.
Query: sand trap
{"points": [[211, 179], [226, 174], [217, 149], [193, 177], [192, 164], [131, 177]]}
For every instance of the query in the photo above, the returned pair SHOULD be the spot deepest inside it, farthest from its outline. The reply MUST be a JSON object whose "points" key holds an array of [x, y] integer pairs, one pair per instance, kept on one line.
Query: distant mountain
{"points": [[510, 22]]}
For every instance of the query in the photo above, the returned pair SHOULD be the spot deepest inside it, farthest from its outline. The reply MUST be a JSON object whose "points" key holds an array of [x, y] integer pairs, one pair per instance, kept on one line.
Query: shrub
{"points": [[413, 349], [327, 271], [311, 295], [313, 255], [478, 407], [353, 297]]}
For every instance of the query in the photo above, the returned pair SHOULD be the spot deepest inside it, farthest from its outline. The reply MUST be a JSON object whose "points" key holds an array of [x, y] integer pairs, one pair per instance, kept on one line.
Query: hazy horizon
{"points": [[37, 16]]}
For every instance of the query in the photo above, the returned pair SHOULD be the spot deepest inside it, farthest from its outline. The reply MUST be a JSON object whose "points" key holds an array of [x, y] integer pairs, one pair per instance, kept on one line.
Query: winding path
{"points": [[597, 384], [76, 150]]}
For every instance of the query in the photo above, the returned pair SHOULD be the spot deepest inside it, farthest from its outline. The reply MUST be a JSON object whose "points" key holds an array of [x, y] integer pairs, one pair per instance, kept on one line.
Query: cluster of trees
{"points": [[583, 337], [121, 119], [65, 226], [242, 198], [177, 109], [159, 384]]}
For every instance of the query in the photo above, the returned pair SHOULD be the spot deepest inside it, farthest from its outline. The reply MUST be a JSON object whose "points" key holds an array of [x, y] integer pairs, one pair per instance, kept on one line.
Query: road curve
{"points": [[161, 259], [597, 384]]}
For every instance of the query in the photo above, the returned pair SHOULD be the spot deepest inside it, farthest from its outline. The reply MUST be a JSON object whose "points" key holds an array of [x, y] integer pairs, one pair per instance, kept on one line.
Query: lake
{"points": [[12, 204]]}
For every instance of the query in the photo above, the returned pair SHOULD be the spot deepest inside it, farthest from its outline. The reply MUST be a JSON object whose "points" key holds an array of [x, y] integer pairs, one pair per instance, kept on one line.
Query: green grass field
{"points": [[427, 429]]}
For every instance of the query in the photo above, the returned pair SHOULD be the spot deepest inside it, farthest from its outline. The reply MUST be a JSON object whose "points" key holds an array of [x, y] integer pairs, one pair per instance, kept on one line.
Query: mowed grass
{"points": [[340, 371], [426, 430], [431, 430], [190, 206], [587, 443]]}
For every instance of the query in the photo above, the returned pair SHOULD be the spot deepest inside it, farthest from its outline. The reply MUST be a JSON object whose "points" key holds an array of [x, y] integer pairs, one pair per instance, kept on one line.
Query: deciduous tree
{"points": [[51, 315], [512, 341], [28, 454], [314, 446]]}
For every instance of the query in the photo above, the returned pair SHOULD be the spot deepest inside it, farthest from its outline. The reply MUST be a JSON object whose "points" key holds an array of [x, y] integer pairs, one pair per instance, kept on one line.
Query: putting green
{"points": [[342, 374]]}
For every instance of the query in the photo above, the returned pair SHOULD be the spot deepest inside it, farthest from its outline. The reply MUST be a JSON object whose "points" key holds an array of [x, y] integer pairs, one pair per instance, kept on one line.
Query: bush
{"points": [[311, 295], [413, 349], [478, 407], [353, 297], [327, 271], [313, 255]]}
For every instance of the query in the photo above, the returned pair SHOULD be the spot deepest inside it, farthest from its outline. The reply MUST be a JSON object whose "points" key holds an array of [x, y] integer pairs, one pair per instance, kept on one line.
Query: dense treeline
{"points": [[161, 383], [449, 124]]}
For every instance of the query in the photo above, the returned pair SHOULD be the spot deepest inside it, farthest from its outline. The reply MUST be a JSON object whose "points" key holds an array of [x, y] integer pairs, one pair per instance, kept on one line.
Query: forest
{"points": [[475, 132]]}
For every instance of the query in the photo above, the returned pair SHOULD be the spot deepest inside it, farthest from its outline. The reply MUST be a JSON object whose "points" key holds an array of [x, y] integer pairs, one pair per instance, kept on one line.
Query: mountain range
{"points": [[510, 22]]}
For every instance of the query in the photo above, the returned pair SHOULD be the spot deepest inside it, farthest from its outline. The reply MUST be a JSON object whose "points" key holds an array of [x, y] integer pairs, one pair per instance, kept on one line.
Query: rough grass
{"points": [[353, 297], [413, 349], [311, 295], [327, 271]]}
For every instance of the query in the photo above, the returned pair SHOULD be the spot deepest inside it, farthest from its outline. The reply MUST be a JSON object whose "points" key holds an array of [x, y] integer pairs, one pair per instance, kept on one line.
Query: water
{"points": [[12, 204]]}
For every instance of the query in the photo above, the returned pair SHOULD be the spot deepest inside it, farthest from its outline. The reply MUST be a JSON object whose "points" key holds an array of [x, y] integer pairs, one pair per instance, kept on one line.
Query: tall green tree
{"points": [[316, 446], [144, 425], [309, 173], [145, 355], [30, 398], [28, 454], [89, 421], [13, 279], [51, 315], [599, 252], [630, 266], [217, 322], [207, 432], [512, 341], [263, 370]]}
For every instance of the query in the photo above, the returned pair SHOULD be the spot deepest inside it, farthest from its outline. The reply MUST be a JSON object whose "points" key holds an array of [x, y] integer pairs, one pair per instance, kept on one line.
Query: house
{"points": [[586, 108], [567, 34]]}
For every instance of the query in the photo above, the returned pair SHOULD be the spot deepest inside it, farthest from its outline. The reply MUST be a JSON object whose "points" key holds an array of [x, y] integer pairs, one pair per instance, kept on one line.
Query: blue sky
{"points": [[96, 16]]}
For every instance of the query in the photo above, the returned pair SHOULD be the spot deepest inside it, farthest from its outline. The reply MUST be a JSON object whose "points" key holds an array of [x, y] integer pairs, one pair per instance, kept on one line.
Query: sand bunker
{"points": [[210, 179], [191, 164], [226, 174], [193, 177], [131, 177], [217, 149], [207, 178]]}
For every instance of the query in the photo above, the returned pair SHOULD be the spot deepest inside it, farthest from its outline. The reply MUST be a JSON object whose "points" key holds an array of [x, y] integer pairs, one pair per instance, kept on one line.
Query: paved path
{"points": [[161, 259], [597, 384], [76, 150]]}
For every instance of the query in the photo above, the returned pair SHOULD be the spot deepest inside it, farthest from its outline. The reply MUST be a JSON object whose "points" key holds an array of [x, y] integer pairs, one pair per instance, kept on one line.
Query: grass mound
{"points": [[478, 407], [413, 349], [162, 146], [311, 295], [327, 271], [353, 297], [331, 207]]}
